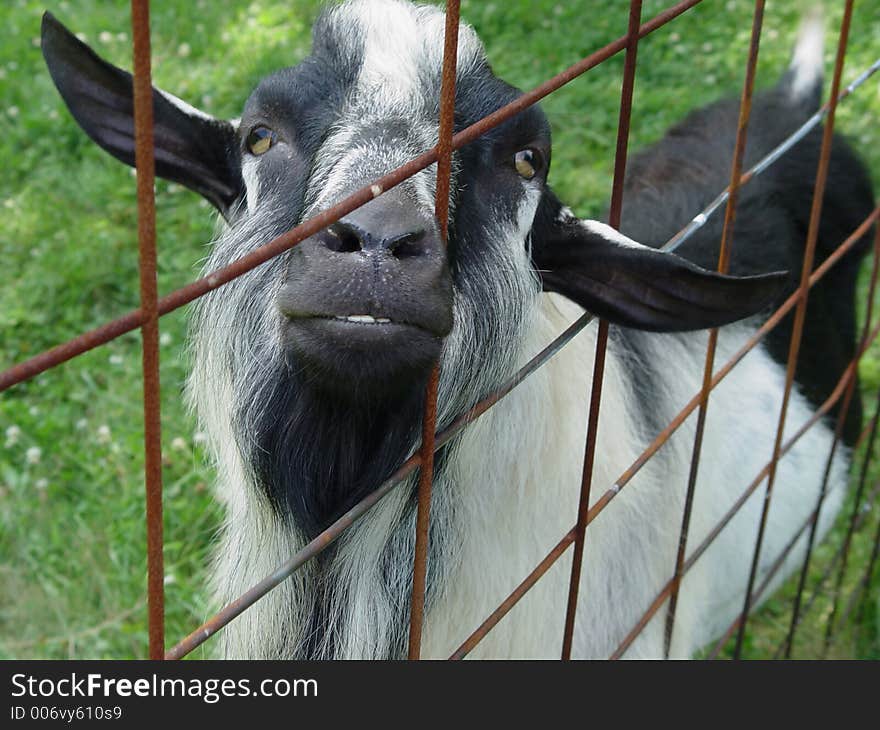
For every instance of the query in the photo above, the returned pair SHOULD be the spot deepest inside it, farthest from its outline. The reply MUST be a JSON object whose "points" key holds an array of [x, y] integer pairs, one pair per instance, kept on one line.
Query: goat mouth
{"points": [[362, 319], [361, 356], [354, 322]]}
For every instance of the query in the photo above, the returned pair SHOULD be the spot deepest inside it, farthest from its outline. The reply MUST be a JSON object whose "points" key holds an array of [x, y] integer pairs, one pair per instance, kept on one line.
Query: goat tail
{"points": [[802, 81]]}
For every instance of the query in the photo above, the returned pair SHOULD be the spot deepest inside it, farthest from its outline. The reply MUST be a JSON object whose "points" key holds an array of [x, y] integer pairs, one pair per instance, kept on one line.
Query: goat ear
{"points": [[636, 286], [191, 148]]}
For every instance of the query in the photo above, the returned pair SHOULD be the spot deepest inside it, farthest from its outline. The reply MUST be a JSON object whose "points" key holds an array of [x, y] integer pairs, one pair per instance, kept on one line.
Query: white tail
{"points": [[806, 61]]}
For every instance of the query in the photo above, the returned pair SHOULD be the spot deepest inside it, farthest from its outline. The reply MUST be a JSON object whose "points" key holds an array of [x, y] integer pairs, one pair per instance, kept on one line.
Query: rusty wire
{"points": [[840, 388], [817, 590], [738, 622], [614, 214], [854, 515], [152, 308], [469, 134], [867, 578], [661, 439], [332, 533], [429, 422], [739, 150], [774, 568], [699, 220], [857, 517], [801, 311], [146, 169], [771, 323], [31, 367], [838, 433]]}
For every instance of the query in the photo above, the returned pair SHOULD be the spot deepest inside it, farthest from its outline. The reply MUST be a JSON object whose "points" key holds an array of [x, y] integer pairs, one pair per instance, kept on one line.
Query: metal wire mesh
{"points": [[152, 307]]}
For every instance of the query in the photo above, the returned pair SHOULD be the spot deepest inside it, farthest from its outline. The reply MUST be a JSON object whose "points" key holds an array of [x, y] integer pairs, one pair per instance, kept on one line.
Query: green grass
{"points": [[72, 545]]}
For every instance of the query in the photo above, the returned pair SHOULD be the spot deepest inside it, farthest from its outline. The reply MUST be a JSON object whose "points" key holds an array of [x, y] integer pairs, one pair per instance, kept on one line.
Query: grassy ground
{"points": [[72, 540]]}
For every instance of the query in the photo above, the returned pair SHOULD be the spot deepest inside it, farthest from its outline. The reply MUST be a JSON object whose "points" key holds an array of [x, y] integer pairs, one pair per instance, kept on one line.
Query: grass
{"points": [[72, 545]]}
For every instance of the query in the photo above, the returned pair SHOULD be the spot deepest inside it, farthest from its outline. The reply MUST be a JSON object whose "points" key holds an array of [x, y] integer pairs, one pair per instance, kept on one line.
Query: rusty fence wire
{"points": [[152, 307]]}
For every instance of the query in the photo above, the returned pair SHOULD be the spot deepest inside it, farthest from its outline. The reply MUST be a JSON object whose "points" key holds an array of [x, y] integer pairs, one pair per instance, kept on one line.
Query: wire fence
{"points": [[152, 307]]}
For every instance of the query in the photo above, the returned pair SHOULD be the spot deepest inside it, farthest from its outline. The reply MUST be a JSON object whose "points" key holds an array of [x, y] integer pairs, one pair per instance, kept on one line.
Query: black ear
{"points": [[636, 286], [191, 148]]}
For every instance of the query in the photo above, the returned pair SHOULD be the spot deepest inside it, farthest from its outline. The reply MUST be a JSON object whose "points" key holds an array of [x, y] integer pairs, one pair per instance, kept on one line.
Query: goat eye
{"points": [[526, 163], [260, 140]]}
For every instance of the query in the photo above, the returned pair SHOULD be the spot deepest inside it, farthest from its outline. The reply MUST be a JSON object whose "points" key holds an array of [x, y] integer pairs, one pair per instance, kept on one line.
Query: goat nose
{"points": [[391, 224], [347, 236]]}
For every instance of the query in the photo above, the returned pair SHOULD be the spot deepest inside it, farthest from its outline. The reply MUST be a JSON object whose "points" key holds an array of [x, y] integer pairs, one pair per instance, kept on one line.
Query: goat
{"points": [[309, 372]]}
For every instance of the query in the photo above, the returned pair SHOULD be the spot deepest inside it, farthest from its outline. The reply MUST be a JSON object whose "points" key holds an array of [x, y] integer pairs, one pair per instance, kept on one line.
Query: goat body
{"points": [[309, 371]]}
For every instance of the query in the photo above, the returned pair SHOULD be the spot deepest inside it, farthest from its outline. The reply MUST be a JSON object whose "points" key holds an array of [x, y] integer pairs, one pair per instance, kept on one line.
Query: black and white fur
{"points": [[295, 446]]}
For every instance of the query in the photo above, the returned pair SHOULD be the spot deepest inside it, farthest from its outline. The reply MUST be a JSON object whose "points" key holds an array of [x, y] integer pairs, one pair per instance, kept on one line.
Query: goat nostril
{"points": [[343, 239], [409, 244]]}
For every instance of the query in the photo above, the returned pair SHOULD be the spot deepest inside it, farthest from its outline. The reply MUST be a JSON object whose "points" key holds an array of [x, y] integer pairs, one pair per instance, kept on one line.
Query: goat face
{"points": [[364, 305], [357, 314]]}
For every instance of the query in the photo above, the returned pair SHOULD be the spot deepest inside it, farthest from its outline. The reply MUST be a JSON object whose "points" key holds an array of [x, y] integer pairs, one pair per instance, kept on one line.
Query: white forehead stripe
{"points": [[400, 42]]}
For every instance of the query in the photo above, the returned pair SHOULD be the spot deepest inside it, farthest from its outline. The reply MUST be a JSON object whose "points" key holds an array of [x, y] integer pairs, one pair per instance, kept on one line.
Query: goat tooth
{"points": [[362, 318], [382, 320]]}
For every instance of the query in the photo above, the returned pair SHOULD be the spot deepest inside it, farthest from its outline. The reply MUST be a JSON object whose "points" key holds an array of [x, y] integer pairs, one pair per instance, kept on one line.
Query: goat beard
{"points": [[315, 454]]}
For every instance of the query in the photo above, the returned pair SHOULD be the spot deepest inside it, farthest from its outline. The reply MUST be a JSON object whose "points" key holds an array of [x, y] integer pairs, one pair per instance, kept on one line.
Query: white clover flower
{"points": [[13, 111], [179, 444], [103, 434], [13, 434], [33, 455], [200, 438], [122, 37], [183, 50], [115, 359], [165, 339], [41, 484], [674, 37], [169, 579], [34, 411], [81, 424], [707, 47], [83, 37]]}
